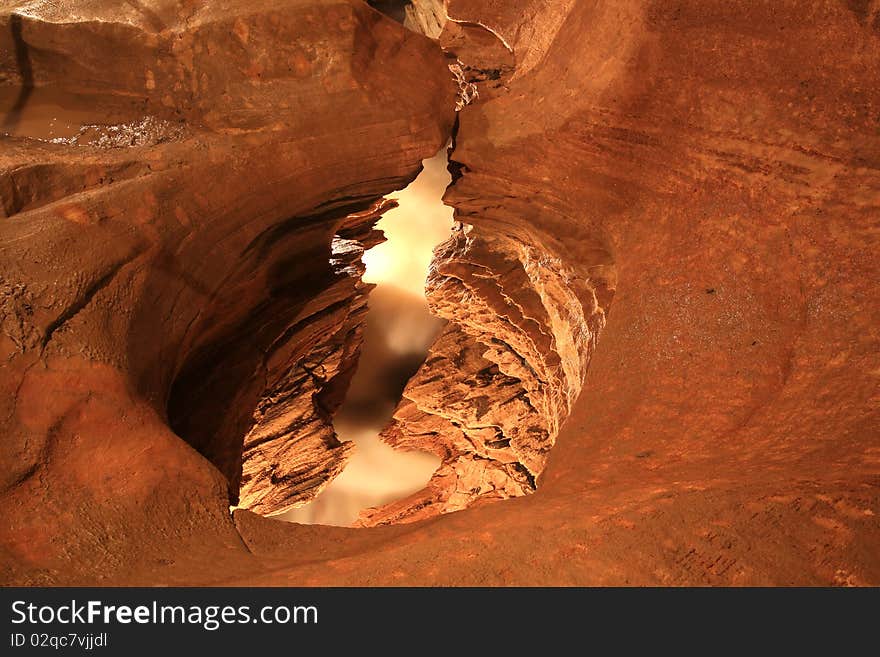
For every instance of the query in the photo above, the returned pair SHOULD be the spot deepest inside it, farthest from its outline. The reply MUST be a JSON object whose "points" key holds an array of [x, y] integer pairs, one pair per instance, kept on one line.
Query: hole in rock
{"points": [[399, 330]]}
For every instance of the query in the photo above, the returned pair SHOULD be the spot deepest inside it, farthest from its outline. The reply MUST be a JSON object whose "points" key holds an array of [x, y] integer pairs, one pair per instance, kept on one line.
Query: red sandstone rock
{"points": [[715, 164], [503, 377], [186, 279]]}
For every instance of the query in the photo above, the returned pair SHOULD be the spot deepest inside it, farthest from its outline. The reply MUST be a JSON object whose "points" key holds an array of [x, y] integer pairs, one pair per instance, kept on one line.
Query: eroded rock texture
{"points": [[714, 164], [291, 452], [184, 268], [503, 377]]}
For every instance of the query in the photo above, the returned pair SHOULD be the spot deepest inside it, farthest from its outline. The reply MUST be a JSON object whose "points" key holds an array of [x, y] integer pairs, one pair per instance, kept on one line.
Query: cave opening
{"points": [[398, 333]]}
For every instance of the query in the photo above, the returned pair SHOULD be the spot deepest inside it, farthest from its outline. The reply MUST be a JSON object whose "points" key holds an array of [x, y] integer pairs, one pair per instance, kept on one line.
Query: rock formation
{"points": [[662, 293], [504, 375], [189, 272]]}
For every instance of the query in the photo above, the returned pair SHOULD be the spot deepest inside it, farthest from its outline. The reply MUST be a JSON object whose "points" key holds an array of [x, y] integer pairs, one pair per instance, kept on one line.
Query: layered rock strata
{"points": [[503, 376], [291, 452], [180, 268], [722, 156]]}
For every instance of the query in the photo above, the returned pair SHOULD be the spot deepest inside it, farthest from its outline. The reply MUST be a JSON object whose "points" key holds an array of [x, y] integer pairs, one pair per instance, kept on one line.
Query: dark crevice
{"points": [[225, 371], [265, 241], [223, 377], [395, 9], [23, 61]]}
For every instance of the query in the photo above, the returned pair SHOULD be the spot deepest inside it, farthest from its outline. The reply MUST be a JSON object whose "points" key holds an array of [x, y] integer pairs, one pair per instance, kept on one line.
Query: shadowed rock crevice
{"points": [[285, 358], [25, 72], [396, 9]]}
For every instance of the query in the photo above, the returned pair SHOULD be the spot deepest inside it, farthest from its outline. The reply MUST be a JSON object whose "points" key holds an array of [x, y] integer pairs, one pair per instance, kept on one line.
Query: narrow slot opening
{"points": [[399, 331]]}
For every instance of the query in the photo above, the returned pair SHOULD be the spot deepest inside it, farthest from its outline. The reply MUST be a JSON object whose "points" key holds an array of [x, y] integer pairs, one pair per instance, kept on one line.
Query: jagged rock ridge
{"points": [[503, 376], [292, 452]]}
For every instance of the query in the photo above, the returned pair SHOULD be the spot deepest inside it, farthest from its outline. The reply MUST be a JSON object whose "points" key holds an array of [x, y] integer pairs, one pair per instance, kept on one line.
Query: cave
{"points": [[398, 331], [646, 343]]}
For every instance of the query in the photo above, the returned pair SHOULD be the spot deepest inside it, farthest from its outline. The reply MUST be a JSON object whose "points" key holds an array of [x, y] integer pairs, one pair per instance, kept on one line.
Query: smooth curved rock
{"points": [[719, 160], [176, 281]]}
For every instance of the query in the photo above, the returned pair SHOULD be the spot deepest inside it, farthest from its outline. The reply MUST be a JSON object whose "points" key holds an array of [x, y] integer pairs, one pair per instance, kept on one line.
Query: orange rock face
{"points": [[662, 302]]}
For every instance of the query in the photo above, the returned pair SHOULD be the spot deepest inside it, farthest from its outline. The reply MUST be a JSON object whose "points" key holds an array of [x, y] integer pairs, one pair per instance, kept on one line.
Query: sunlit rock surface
{"points": [[399, 329], [715, 164], [504, 375]]}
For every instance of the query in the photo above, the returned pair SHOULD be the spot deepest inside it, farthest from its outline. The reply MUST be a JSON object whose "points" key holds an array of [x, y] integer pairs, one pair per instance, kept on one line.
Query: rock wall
{"points": [[183, 271], [715, 165], [503, 377]]}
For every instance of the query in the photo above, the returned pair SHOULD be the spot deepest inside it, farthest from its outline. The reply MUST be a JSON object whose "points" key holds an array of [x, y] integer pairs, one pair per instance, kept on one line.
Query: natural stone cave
{"points": [[653, 357], [398, 330]]}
